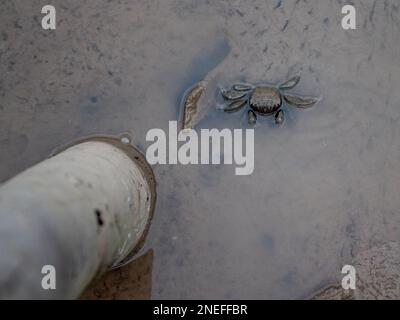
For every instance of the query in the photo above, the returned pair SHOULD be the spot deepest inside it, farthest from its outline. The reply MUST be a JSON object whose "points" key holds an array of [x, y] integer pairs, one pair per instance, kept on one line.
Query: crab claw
{"points": [[291, 83], [301, 102], [235, 106]]}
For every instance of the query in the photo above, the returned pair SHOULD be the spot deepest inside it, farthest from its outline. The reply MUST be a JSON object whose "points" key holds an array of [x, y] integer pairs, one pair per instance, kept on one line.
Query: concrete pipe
{"points": [[73, 216]]}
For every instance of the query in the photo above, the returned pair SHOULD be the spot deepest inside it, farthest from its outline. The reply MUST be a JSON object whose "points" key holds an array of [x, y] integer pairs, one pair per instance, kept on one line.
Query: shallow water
{"points": [[325, 184]]}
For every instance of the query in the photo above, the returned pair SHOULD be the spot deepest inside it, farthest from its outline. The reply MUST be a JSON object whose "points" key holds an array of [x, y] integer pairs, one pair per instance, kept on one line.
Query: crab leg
{"points": [[301, 102], [242, 87], [235, 106], [233, 94], [251, 117], [279, 117], [291, 83]]}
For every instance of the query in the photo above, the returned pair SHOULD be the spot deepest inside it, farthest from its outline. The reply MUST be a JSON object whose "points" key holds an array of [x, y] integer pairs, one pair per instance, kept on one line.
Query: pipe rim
{"points": [[139, 159]]}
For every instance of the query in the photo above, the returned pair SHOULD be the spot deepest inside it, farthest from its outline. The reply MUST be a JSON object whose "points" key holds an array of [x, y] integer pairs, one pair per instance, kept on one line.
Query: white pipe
{"points": [[82, 211]]}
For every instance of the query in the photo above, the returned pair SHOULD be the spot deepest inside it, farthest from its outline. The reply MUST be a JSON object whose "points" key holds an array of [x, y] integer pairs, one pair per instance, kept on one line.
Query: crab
{"points": [[265, 100]]}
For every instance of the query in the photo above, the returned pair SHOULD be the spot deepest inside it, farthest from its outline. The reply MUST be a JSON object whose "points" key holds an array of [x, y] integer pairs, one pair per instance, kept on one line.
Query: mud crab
{"points": [[265, 100]]}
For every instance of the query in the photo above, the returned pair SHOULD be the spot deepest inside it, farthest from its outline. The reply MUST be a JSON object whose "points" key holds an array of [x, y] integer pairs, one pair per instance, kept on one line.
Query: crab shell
{"points": [[265, 100]]}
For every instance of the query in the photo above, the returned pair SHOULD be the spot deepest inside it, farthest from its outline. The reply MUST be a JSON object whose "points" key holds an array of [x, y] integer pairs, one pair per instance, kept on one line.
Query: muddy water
{"points": [[325, 184]]}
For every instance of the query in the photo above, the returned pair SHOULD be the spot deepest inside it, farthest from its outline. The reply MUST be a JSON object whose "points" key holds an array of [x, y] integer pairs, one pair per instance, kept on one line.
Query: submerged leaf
{"points": [[190, 105]]}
